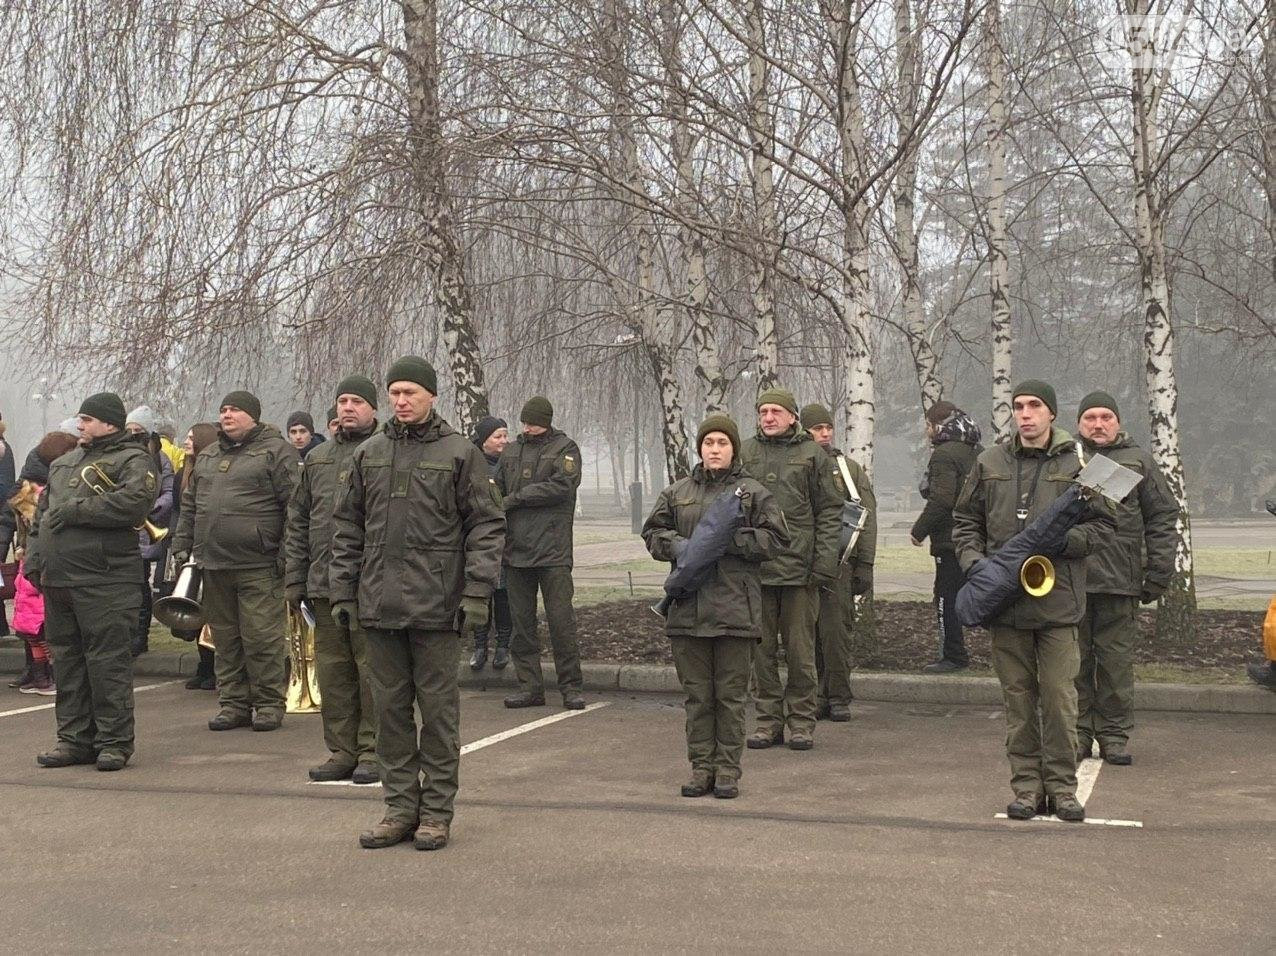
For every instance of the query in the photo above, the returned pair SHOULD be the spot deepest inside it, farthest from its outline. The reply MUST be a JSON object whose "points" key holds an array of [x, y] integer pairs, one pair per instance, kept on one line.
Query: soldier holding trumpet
{"points": [[83, 555]]}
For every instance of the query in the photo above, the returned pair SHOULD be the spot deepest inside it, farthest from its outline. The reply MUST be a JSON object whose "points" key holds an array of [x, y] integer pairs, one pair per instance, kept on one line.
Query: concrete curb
{"points": [[886, 687]]}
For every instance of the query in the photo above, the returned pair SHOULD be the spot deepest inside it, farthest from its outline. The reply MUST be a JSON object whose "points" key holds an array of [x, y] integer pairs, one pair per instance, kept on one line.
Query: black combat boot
{"points": [[28, 673], [524, 698], [502, 656], [1264, 673], [479, 657]]}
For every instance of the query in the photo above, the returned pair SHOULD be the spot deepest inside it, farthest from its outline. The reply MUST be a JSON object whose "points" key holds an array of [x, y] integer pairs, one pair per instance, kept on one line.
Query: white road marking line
{"points": [[1093, 821], [1087, 775], [488, 741], [32, 710]]}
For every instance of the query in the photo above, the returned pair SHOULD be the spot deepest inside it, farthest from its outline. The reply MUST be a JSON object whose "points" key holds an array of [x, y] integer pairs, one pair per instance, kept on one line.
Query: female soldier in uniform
{"points": [[713, 630]]}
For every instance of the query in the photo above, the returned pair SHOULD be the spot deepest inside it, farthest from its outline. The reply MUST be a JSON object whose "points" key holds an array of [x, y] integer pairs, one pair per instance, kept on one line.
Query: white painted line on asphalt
{"points": [[488, 741], [1087, 775], [32, 710], [1093, 821]]}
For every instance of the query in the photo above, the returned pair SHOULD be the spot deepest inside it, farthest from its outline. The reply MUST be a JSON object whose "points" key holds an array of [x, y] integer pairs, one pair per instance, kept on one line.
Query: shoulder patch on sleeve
{"points": [[494, 491], [569, 464], [150, 481]]}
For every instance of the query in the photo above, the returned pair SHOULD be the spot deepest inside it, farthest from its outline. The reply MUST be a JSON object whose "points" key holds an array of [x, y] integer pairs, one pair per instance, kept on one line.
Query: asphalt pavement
{"points": [[571, 836]]}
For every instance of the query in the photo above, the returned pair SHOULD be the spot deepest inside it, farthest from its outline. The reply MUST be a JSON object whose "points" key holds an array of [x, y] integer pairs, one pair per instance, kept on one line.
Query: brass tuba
{"points": [[1036, 576], [100, 483], [303, 677]]}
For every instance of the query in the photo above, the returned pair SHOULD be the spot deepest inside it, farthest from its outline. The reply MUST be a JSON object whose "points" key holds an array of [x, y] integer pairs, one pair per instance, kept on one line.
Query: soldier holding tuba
{"points": [[1034, 640], [83, 556], [341, 649]]}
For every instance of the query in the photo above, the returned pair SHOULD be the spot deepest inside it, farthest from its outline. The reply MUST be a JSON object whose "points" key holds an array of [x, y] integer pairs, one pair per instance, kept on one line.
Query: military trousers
{"points": [[949, 578], [1037, 670], [556, 590], [788, 620], [714, 673], [1105, 682], [833, 640], [245, 610], [419, 765], [90, 632], [341, 663]]}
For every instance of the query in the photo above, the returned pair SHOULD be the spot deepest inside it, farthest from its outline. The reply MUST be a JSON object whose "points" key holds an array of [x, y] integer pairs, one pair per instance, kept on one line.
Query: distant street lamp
{"points": [[44, 397], [635, 489]]}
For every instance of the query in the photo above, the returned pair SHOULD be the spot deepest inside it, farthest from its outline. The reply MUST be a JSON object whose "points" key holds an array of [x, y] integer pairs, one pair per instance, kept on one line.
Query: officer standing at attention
{"points": [[855, 577], [1132, 566], [232, 517], [1034, 641], [798, 472], [341, 655], [83, 556], [713, 631], [417, 543], [538, 474]]}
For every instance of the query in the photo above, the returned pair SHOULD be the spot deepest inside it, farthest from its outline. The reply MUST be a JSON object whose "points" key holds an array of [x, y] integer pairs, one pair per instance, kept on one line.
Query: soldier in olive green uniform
{"points": [[232, 519], [341, 656], [714, 630], [1134, 565], [855, 577], [417, 543], [798, 472], [83, 556], [955, 438], [1034, 641], [538, 475]]}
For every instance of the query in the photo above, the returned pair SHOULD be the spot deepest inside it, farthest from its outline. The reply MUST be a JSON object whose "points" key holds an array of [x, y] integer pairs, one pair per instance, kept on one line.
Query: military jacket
{"points": [[97, 543], [1142, 550], [729, 604], [418, 526], [950, 463], [234, 505], [799, 473], [308, 537], [1006, 478], [538, 477], [865, 550]]}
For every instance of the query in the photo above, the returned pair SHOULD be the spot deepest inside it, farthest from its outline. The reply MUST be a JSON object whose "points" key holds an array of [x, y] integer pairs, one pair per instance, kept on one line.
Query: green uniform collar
{"points": [[1122, 440], [1060, 443], [794, 436], [432, 429], [355, 436]]}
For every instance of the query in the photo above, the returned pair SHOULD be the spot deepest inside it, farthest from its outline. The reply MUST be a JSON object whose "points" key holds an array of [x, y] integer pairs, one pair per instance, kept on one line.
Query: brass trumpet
{"points": [[100, 483], [1036, 576]]}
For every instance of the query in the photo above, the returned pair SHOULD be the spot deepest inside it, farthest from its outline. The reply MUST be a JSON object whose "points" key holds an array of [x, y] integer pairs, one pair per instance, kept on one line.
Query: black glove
{"points": [[1151, 592], [861, 578], [345, 613], [180, 558], [294, 594]]}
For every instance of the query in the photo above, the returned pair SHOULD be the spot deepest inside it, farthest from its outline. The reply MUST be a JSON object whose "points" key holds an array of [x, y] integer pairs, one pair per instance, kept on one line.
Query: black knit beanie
{"points": [[359, 385], [719, 423], [1037, 389], [413, 368], [302, 418], [537, 411], [483, 430], [332, 414], [105, 407], [245, 401], [1098, 399]]}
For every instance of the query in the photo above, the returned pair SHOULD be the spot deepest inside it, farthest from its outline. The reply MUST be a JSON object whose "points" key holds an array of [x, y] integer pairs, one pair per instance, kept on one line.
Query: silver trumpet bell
{"points": [[180, 610]]}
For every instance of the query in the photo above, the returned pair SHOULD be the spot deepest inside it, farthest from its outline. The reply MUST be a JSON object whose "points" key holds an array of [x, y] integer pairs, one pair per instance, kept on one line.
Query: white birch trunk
{"points": [[1158, 330], [654, 324], [995, 224], [853, 300], [443, 254], [695, 296], [925, 364], [762, 142], [1269, 128]]}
